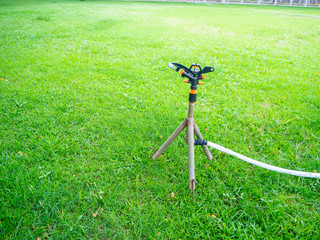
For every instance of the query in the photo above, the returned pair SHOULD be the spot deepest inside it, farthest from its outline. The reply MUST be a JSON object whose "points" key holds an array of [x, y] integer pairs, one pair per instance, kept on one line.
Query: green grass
{"points": [[85, 89]]}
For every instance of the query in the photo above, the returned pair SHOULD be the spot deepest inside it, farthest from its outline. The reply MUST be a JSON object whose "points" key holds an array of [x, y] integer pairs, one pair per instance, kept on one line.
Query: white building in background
{"points": [[305, 3]]}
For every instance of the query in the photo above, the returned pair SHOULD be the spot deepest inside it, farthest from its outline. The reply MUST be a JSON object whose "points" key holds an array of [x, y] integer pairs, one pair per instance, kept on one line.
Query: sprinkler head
{"points": [[194, 72]]}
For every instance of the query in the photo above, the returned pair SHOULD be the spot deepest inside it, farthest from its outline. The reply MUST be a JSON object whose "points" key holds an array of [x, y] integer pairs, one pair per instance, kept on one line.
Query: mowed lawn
{"points": [[85, 89]]}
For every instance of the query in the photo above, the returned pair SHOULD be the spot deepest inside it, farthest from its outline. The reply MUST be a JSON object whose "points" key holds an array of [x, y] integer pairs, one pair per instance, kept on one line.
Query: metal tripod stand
{"points": [[193, 74]]}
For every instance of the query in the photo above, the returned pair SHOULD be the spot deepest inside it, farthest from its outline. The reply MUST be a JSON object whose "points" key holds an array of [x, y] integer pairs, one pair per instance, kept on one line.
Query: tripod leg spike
{"points": [[193, 184], [155, 150]]}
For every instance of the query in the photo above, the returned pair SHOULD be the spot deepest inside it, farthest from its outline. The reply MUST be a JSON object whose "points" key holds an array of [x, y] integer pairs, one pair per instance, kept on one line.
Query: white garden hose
{"points": [[263, 165]]}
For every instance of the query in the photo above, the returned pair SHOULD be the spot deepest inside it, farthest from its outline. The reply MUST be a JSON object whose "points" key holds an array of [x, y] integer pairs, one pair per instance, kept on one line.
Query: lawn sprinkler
{"points": [[193, 75]]}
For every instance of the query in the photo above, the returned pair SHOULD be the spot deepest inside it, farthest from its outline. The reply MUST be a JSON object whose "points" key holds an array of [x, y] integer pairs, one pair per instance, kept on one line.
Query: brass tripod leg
{"points": [[192, 129], [190, 140], [191, 154], [170, 139]]}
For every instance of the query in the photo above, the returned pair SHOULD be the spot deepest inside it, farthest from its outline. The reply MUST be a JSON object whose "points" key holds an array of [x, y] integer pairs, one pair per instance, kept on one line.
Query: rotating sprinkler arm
{"points": [[178, 66]]}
